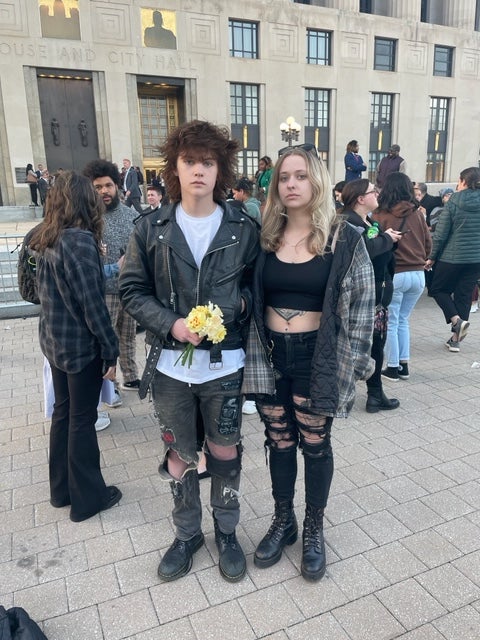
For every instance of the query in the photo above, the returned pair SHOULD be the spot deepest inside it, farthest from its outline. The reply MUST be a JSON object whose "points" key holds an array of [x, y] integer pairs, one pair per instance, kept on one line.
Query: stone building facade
{"points": [[86, 78]]}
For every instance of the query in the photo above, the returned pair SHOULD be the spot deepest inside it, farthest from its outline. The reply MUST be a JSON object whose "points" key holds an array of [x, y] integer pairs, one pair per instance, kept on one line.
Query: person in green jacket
{"points": [[456, 257], [264, 176]]}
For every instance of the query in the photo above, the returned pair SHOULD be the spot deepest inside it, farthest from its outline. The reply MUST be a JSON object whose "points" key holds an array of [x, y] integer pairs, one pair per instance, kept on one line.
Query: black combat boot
{"points": [[187, 517], [283, 531], [224, 494], [378, 401], [232, 563], [177, 561], [313, 556]]}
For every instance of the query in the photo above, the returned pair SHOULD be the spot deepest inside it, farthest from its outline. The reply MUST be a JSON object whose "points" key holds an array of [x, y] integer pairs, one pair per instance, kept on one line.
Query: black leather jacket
{"points": [[160, 281]]}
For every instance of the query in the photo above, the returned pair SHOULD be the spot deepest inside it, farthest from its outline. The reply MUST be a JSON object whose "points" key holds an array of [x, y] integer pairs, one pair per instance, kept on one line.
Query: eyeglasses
{"points": [[307, 146], [374, 190]]}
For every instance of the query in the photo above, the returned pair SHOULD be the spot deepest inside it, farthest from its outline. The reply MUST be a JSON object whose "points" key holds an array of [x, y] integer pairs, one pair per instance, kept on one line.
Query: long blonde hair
{"points": [[321, 207]]}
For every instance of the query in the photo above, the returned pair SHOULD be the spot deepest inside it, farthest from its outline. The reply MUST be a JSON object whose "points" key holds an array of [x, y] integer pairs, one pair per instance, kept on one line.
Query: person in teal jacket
{"points": [[455, 253], [264, 175]]}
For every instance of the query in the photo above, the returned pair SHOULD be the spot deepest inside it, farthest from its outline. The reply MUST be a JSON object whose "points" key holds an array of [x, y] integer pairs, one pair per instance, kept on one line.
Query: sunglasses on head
{"points": [[306, 146]]}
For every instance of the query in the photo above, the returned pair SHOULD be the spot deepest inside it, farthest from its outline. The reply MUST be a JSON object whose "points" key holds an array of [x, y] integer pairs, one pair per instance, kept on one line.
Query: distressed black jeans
{"points": [[177, 405]]}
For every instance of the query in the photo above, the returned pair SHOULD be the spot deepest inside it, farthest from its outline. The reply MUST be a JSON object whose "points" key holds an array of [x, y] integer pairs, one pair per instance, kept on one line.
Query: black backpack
{"points": [[16, 624], [27, 271]]}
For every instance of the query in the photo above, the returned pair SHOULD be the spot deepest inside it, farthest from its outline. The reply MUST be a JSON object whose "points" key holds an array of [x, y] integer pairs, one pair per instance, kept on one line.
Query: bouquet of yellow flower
{"points": [[207, 321]]}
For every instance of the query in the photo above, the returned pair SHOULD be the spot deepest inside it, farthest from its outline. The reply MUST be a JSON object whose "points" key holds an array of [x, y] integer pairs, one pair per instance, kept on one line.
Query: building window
{"points": [[385, 52], [243, 39], [244, 119], [437, 139], [477, 16], [317, 120], [365, 6], [434, 12], [443, 61], [319, 47], [381, 123]]}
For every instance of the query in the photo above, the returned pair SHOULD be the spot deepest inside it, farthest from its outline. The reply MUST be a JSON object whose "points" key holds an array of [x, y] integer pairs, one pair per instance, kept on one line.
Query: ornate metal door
{"points": [[68, 120]]}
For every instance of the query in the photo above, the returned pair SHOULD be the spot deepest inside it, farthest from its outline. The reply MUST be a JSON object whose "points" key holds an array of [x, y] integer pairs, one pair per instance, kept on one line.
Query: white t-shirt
{"points": [[199, 233]]}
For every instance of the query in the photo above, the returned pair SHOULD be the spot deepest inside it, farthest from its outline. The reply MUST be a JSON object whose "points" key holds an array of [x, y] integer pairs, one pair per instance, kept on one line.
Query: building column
{"points": [[101, 114], [406, 9], [134, 120], [460, 14]]}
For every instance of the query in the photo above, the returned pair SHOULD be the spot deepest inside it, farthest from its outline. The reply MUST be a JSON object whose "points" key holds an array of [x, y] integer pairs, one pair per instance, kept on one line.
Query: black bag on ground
{"points": [[16, 624]]}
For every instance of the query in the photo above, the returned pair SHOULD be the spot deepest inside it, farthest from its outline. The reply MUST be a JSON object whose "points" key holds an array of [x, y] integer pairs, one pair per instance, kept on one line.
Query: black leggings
{"points": [[33, 192]]}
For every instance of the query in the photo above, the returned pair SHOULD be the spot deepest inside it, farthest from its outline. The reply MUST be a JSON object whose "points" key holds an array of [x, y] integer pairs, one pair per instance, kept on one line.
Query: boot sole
{"points": [[376, 409], [269, 562], [183, 570], [313, 577], [236, 578]]}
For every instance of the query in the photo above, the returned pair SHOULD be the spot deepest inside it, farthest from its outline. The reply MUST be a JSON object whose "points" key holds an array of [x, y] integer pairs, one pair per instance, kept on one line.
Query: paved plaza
{"points": [[402, 530]]}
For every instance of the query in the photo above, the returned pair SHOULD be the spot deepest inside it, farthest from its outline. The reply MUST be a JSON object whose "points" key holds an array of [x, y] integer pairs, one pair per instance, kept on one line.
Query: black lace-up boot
{"points": [[232, 563], [283, 531], [187, 517], [313, 556]]}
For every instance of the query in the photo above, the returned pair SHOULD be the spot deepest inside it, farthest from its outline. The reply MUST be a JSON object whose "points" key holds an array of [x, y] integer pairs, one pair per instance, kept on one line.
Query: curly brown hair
{"points": [[200, 138], [71, 202]]}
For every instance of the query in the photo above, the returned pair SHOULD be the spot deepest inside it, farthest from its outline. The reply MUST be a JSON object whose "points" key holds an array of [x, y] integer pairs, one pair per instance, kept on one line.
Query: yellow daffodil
{"points": [[207, 321]]}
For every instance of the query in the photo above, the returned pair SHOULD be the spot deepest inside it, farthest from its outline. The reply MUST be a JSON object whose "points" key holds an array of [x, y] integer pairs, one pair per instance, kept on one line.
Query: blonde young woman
{"points": [[313, 314]]}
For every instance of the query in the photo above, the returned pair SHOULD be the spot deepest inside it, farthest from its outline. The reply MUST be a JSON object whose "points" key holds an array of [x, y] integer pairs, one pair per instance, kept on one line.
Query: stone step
{"points": [[17, 214]]}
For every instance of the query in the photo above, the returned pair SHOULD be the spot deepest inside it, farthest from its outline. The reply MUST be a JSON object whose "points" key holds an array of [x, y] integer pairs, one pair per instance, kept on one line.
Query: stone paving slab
{"points": [[402, 528]]}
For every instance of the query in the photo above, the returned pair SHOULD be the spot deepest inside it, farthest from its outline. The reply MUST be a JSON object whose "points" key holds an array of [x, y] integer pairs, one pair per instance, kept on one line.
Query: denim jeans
{"points": [[407, 289]]}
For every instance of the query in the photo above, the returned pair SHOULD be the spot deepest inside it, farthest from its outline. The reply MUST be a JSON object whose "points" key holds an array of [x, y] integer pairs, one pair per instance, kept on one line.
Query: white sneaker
{"points": [[474, 307], [103, 421], [116, 402], [249, 407]]}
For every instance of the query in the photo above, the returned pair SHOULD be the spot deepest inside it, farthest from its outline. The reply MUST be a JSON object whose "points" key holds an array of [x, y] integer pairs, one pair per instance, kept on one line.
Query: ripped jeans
{"points": [[181, 408], [291, 422]]}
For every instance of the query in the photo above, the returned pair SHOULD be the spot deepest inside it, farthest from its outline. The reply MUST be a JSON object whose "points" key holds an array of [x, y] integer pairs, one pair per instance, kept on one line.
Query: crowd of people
{"points": [[277, 300]]}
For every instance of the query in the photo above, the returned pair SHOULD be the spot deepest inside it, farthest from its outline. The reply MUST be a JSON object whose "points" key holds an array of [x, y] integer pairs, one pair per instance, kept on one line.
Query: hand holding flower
{"points": [[181, 333], [203, 321]]}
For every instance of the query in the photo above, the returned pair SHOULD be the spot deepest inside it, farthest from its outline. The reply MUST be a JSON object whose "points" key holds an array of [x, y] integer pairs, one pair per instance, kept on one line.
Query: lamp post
{"points": [[290, 130]]}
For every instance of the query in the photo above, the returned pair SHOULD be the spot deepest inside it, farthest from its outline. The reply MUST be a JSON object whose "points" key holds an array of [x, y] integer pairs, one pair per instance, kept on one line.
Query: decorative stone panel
{"points": [[13, 18], [469, 63], [111, 23], [203, 33], [415, 60], [353, 50], [283, 42]]}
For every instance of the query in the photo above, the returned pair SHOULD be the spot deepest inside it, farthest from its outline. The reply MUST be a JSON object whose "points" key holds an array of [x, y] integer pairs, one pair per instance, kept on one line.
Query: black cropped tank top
{"points": [[298, 285]]}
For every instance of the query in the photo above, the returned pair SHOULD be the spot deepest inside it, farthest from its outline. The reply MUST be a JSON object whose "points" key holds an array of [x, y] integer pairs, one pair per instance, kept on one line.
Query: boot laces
{"points": [[312, 530], [228, 539], [279, 520], [178, 544]]}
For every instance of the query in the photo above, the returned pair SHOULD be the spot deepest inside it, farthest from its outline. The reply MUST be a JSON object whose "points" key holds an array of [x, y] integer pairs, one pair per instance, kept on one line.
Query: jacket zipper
{"points": [[173, 295], [197, 296]]}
